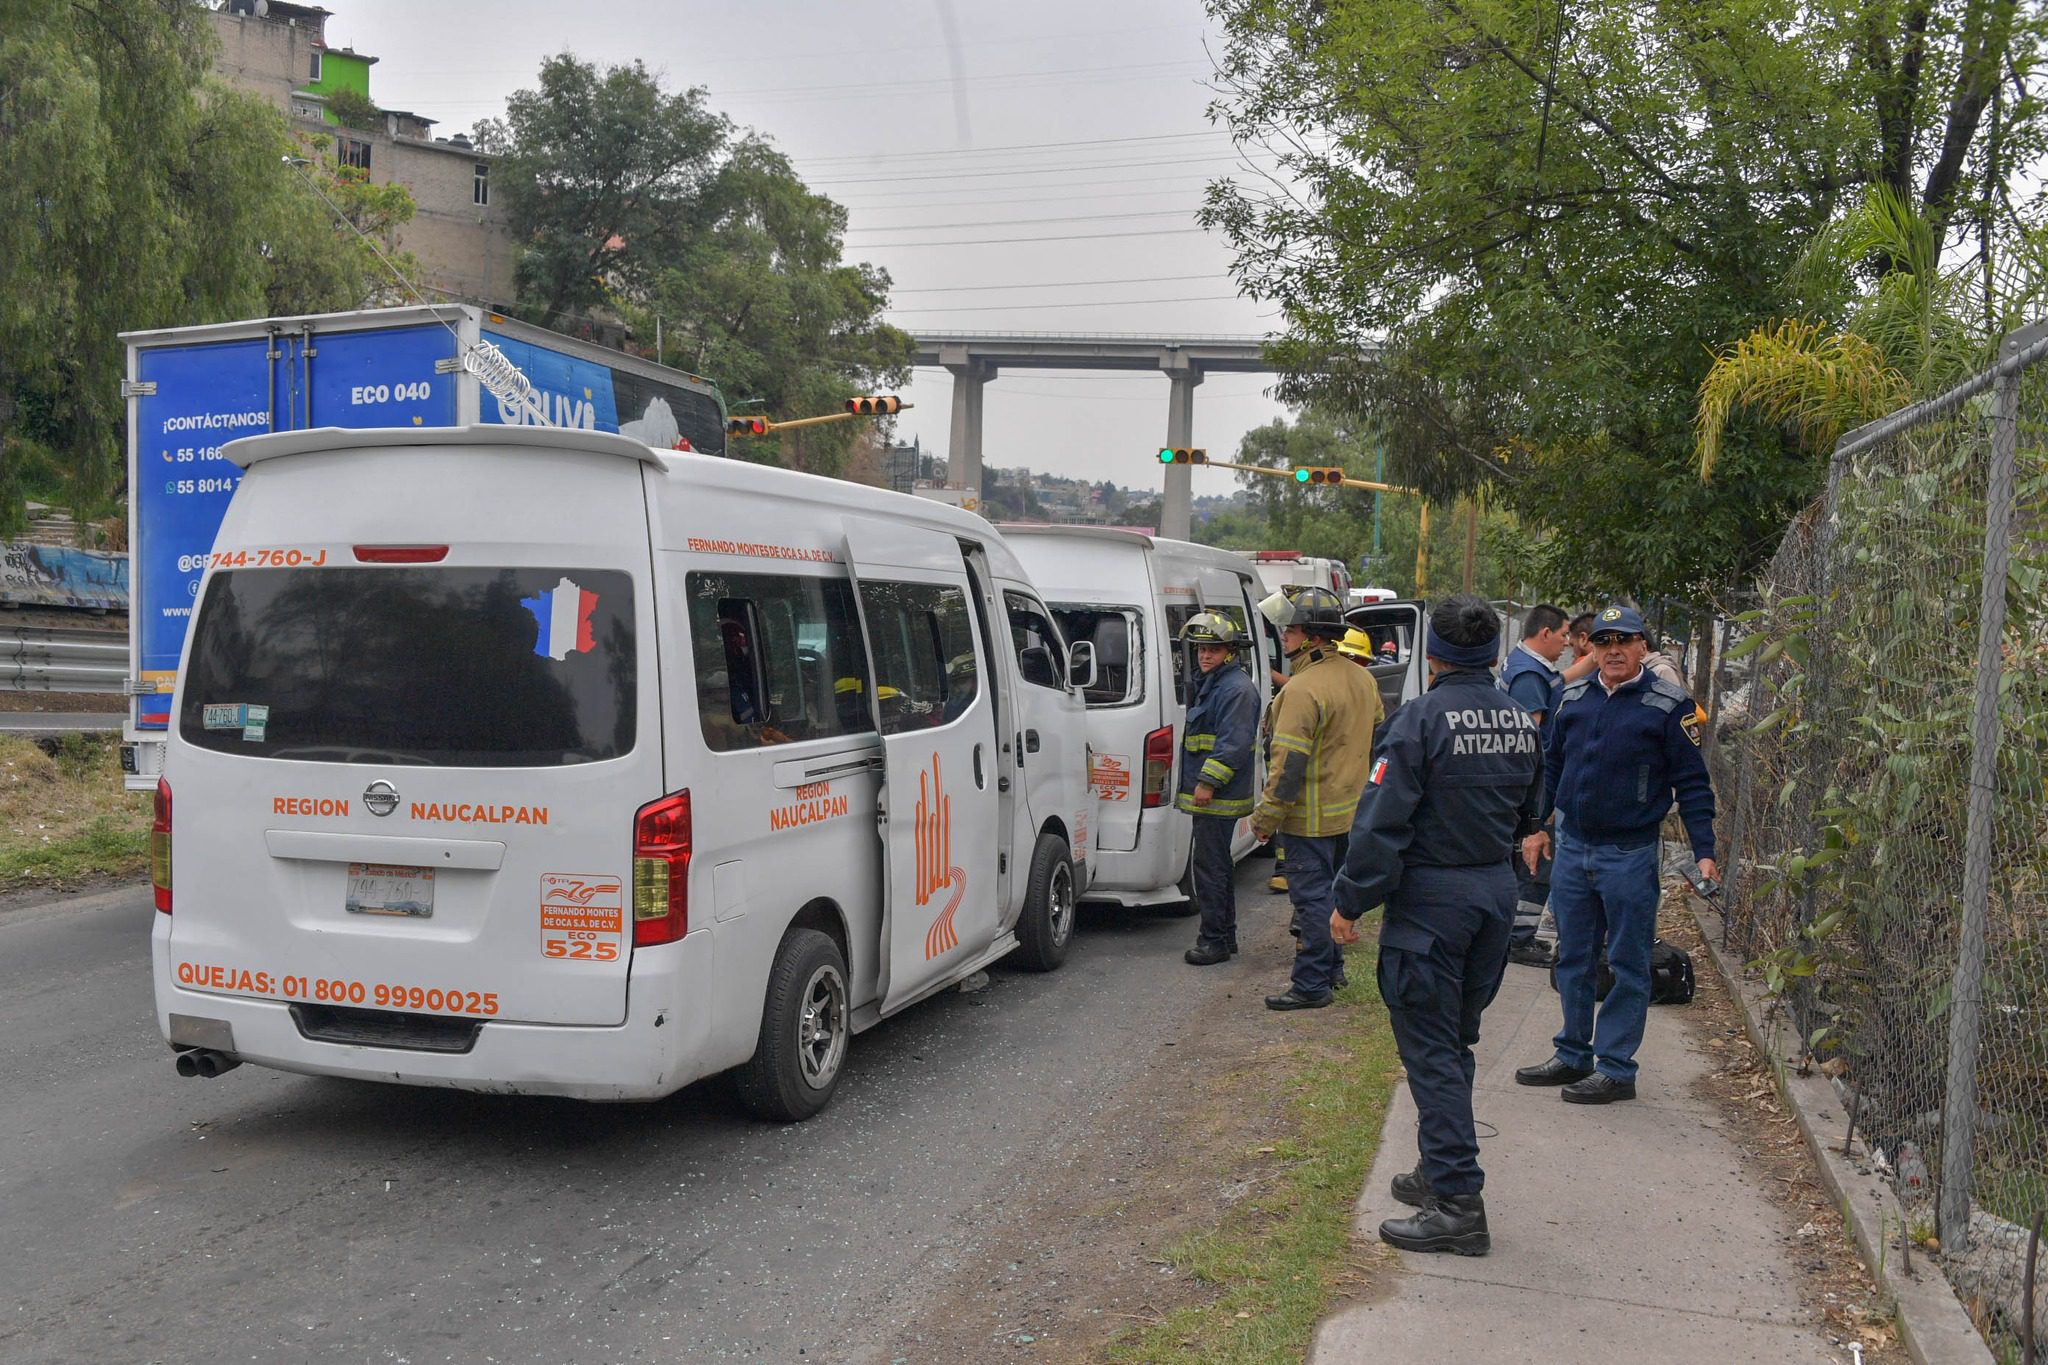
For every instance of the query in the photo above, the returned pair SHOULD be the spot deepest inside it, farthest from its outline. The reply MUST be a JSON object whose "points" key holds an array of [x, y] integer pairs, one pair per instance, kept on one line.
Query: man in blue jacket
{"points": [[1531, 677], [1216, 774], [1623, 742], [1458, 778]]}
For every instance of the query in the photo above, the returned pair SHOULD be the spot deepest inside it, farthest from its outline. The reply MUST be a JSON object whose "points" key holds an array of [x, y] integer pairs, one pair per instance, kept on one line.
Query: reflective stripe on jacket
{"points": [[1222, 725], [1319, 736]]}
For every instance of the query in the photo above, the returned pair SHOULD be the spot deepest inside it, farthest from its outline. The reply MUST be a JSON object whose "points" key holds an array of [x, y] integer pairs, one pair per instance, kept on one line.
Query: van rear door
{"points": [[935, 709], [410, 739]]}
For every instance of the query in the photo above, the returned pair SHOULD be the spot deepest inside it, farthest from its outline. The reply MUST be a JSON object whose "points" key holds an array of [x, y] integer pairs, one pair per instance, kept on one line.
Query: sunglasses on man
{"points": [[1606, 638]]}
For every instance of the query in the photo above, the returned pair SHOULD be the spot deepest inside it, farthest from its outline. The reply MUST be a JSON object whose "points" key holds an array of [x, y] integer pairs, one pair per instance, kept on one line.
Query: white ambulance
{"points": [[1127, 594], [538, 761]]}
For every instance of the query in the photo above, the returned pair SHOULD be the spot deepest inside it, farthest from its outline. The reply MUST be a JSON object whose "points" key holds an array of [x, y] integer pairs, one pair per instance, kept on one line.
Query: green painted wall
{"points": [[341, 72]]}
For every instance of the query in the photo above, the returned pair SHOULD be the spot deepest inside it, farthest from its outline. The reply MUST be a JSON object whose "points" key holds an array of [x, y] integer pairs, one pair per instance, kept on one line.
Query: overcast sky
{"points": [[950, 129]]}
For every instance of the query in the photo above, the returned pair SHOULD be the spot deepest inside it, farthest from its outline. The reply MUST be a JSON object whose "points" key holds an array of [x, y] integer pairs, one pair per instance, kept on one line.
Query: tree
{"points": [[630, 199], [1512, 231], [139, 193]]}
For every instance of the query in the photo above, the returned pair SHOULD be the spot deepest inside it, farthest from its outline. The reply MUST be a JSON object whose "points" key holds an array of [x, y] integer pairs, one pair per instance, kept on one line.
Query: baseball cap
{"points": [[1616, 619]]}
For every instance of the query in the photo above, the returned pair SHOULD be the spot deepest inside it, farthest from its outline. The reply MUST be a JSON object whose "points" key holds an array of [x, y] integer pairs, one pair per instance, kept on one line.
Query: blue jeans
{"points": [[1215, 869], [1603, 893], [1311, 888]]}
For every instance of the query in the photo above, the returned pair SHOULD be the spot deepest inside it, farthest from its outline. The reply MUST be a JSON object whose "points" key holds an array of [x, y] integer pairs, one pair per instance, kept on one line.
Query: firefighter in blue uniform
{"points": [[1458, 779], [1624, 740], [1216, 774]]}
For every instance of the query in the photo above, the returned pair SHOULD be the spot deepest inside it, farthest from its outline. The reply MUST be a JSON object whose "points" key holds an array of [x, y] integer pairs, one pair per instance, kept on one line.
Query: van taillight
{"points": [[400, 554], [1158, 765], [661, 871], [160, 847]]}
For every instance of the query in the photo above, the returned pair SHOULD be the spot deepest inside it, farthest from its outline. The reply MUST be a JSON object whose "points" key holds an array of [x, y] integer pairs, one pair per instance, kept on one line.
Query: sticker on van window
{"points": [[254, 719], [563, 614], [582, 916], [1109, 777]]}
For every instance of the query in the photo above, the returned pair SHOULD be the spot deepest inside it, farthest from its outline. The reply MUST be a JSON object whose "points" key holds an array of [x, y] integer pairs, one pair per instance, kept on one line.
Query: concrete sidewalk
{"points": [[1624, 1232]]}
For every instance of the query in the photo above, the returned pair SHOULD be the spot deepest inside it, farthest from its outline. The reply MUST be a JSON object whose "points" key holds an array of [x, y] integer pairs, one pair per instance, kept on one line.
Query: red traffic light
{"points": [[747, 426], [1169, 455], [879, 405]]}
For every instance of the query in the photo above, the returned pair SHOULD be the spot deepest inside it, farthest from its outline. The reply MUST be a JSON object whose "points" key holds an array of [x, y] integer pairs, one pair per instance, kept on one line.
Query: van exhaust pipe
{"points": [[204, 1061]]}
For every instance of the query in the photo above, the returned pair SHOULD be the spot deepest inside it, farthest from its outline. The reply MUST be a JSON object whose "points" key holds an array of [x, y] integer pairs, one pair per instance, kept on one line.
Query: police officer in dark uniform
{"points": [[1623, 742], [1216, 774], [1459, 777]]}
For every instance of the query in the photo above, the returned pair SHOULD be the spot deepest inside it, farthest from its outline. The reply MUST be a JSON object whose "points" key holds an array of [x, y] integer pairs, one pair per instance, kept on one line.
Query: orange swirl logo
{"points": [[935, 870]]}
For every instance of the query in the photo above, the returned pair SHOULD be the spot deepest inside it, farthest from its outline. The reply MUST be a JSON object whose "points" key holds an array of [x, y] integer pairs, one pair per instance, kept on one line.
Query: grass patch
{"points": [[64, 816], [1278, 1260]]}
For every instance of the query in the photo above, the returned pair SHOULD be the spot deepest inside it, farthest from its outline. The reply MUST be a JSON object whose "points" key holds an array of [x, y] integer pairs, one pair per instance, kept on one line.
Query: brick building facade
{"points": [[280, 52]]}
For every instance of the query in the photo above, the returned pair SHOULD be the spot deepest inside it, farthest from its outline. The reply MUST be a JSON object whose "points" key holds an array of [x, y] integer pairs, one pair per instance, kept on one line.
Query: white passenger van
{"points": [[535, 760], [1128, 594]]}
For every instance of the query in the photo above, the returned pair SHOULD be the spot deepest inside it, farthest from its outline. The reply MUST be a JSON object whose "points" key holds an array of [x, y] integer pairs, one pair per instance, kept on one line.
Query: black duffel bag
{"points": [[1671, 979]]}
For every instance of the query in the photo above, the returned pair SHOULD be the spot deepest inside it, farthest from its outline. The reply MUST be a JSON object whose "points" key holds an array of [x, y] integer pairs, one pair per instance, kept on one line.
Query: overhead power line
{"points": [[1052, 284], [1076, 303], [1067, 237], [1004, 147], [1025, 222], [1066, 167]]}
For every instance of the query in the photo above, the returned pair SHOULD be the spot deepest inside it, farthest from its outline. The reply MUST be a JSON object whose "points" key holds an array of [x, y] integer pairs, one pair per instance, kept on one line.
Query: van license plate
{"points": [[384, 889]]}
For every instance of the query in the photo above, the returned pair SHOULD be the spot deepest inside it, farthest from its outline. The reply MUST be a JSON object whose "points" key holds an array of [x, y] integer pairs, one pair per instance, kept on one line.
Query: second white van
{"points": [[1127, 595]]}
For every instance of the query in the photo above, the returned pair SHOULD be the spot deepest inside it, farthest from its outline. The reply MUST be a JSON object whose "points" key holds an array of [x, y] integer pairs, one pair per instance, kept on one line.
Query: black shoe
{"points": [[1598, 1089], [1295, 1000], [1532, 954], [1449, 1222], [1412, 1188], [1553, 1072], [1206, 954]]}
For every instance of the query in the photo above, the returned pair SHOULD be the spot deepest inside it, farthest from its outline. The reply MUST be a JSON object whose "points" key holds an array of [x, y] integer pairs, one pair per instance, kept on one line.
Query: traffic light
{"points": [[746, 426], [879, 406], [1318, 473], [1195, 456]]}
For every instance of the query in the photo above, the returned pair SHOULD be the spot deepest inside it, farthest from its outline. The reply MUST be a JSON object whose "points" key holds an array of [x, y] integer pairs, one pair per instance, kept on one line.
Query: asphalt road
{"points": [[263, 1216]]}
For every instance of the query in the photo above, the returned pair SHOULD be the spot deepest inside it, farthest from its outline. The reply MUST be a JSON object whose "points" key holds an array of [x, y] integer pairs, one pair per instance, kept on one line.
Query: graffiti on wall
{"points": [[60, 576]]}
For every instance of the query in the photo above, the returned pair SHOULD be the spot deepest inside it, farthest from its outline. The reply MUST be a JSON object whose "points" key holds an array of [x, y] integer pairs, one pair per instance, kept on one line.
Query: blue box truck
{"points": [[192, 389]]}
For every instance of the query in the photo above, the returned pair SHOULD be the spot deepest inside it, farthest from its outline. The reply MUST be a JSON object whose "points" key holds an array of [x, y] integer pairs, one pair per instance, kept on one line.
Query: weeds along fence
{"points": [[1884, 730]]}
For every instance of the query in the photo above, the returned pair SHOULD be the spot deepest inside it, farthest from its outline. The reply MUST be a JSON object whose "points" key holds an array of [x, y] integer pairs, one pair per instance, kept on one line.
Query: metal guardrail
{"points": [[53, 659]]}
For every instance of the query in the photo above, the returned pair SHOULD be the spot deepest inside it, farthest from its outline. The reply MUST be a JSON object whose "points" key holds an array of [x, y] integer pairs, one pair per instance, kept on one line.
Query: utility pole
{"points": [[1471, 539]]}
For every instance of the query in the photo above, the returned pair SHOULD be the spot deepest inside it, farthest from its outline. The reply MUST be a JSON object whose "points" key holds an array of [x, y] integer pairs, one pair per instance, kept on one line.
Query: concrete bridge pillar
{"points": [[1176, 508], [963, 447]]}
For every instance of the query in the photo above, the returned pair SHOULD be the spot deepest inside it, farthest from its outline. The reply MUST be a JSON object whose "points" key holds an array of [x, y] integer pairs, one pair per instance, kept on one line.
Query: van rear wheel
{"points": [[805, 1028], [1046, 928]]}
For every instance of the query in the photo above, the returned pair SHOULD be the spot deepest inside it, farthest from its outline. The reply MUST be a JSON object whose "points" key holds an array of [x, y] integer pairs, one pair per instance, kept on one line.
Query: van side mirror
{"points": [[1081, 664]]}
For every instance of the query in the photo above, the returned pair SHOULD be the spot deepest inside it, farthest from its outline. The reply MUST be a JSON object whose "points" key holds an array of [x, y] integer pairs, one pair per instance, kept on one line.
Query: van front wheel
{"points": [[805, 1027], [1046, 928]]}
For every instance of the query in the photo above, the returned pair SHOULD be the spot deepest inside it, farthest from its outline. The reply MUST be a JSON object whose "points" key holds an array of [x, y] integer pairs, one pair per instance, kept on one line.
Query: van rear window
{"points": [[447, 667]]}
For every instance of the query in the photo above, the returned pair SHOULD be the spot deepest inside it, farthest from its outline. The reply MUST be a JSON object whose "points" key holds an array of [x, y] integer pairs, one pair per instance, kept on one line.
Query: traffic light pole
{"points": [[1341, 483], [769, 428]]}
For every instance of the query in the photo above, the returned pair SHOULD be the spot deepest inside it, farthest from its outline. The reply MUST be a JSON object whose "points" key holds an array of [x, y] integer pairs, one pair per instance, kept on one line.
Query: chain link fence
{"points": [[1880, 761]]}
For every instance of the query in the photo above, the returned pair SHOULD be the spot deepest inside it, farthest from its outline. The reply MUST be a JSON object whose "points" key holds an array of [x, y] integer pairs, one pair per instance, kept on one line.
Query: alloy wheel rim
{"points": [[1060, 907], [821, 1027]]}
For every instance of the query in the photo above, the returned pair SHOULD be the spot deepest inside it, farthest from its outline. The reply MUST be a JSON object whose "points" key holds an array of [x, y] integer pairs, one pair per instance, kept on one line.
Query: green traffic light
{"points": [[1301, 476], [1166, 457]]}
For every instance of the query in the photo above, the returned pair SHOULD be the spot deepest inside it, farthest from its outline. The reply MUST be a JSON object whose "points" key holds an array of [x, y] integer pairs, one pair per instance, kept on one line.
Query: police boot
{"points": [[1206, 954], [1449, 1222], [1412, 1187]]}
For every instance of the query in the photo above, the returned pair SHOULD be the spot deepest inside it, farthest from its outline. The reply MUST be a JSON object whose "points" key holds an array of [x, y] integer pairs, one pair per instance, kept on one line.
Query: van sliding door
{"points": [[932, 696]]}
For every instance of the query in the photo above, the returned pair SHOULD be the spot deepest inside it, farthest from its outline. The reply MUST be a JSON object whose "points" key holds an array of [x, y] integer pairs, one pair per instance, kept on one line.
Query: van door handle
{"points": [[980, 782], [1031, 741]]}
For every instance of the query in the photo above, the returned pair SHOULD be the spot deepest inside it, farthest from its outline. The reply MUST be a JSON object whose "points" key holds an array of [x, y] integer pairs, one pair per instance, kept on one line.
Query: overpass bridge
{"points": [[974, 358]]}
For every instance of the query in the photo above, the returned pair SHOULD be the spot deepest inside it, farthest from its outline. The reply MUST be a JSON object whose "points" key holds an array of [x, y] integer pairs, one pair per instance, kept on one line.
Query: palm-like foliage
{"points": [[1917, 327]]}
